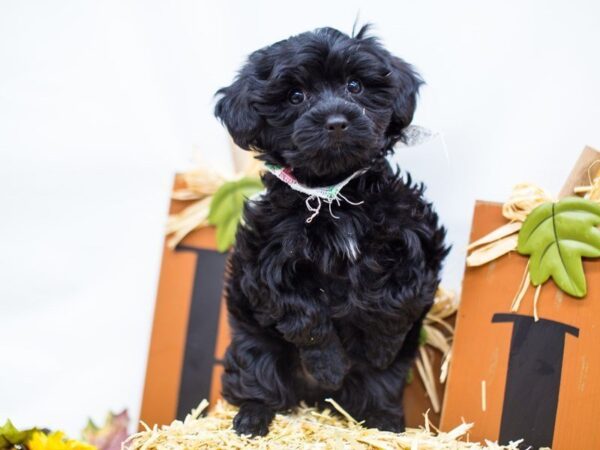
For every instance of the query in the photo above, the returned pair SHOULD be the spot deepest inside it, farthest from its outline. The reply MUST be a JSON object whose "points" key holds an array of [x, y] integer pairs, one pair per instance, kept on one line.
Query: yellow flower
{"points": [[55, 441]]}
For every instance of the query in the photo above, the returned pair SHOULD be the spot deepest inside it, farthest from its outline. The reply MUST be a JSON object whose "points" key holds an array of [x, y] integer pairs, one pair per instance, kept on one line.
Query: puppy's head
{"points": [[323, 103]]}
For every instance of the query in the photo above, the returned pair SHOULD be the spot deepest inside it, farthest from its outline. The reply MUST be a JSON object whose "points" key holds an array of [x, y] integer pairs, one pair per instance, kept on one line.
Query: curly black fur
{"points": [[332, 308]]}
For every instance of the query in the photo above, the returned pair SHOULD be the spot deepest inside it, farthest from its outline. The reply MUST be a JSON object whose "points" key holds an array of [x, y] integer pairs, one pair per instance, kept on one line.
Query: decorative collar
{"points": [[327, 194]]}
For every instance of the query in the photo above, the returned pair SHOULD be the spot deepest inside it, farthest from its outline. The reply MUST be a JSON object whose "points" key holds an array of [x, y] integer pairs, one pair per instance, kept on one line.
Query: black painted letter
{"points": [[202, 330], [533, 379]]}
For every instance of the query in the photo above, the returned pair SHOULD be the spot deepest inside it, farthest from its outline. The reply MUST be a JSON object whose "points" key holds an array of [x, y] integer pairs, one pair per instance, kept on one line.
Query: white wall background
{"points": [[100, 102]]}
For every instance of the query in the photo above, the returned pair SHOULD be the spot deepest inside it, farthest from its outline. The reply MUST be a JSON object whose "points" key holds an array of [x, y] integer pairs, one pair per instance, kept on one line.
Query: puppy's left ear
{"points": [[236, 111], [407, 82]]}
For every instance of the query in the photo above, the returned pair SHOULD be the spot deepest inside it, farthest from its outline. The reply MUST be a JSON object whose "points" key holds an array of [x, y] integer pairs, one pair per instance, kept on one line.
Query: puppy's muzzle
{"points": [[331, 121], [336, 125]]}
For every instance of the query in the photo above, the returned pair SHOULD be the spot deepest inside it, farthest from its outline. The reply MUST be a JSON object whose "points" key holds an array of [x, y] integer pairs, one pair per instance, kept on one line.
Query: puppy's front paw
{"points": [[328, 365], [253, 419], [385, 422]]}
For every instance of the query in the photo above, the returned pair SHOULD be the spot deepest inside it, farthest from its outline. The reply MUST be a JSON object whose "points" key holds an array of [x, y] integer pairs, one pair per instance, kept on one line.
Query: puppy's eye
{"points": [[296, 96], [354, 86]]}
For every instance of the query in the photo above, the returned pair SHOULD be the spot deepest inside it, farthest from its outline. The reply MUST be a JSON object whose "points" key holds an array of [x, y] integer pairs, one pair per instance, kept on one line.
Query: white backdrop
{"points": [[100, 102]]}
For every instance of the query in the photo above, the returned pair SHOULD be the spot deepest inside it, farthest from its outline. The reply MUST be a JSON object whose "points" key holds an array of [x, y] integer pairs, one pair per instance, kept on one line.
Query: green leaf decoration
{"points": [[11, 436], [227, 206], [557, 236], [422, 336]]}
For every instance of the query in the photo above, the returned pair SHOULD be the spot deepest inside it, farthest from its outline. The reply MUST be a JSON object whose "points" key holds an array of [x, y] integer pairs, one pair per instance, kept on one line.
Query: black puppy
{"points": [[328, 307]]}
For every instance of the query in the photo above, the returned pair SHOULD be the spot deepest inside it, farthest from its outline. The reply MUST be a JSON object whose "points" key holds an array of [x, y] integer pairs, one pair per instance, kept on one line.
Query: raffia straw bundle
{"points": [[307, 428], [524, 198], [591, 191], [438, 336]]}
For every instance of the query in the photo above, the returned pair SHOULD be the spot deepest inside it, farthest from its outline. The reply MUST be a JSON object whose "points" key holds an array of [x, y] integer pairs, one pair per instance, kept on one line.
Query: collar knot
{"points": [[316, 196]]}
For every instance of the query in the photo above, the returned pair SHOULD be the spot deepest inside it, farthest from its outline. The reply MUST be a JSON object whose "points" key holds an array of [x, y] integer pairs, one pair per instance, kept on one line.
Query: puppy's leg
{"points": [[385, 339], [381, 350], [375, 396], [257, 378], [308, 326]]}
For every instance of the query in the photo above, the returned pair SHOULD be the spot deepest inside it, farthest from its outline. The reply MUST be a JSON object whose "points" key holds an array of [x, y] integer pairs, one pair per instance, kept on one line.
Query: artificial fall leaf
{"points": [[557, 236], [111, 434], [227, 206]]}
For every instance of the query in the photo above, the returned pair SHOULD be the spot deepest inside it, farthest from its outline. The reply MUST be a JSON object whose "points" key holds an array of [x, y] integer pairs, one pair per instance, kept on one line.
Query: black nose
{"points": [[336, 123]]}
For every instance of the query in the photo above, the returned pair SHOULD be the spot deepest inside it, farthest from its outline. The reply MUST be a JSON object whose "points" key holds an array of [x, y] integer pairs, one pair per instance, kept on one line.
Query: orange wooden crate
{"points": [[482, 348]]}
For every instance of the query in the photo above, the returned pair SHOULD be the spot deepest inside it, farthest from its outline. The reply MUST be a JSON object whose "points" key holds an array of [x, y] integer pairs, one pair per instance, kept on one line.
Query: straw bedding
{"points": [[306, 428]]}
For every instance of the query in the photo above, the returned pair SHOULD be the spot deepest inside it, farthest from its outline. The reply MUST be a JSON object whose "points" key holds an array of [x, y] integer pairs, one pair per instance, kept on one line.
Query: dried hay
{"points": [[438, 337], [306, 428]]}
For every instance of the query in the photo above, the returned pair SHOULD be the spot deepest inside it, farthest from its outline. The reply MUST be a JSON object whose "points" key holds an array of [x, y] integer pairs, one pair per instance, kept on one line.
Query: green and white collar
{"points": [[327, 194]]}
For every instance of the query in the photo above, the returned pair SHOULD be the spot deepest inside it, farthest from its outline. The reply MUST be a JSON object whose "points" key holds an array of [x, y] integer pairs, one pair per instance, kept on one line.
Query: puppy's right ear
{"points": [[235, 109]]}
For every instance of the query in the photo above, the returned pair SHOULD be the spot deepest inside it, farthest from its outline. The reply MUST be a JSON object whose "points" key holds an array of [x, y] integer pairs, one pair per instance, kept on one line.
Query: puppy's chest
{"points": [[345, 243], [337, 261], [339, 247], [338, 244]]}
